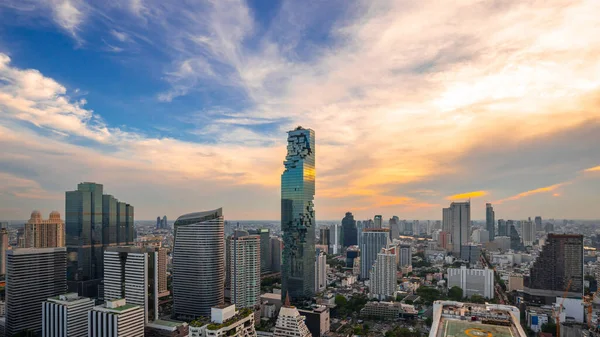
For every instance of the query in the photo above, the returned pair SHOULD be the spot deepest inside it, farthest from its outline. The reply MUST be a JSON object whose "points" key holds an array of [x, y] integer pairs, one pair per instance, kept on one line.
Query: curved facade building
{"points": [[298, 216], [198, 268]]}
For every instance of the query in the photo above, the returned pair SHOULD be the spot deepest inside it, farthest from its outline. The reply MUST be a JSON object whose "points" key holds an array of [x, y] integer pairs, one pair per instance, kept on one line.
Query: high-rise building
{"points": [[320, 271], [360, 225], [490, 221], [457, 218], [373, 240], [198, 266], [265, 252], [394, 227], [470, 253], [560, 262], [3, 247], [298, 215], [116, 318], [32, 276], [472, 281], [549, 227], [134, 273], [383, 275], [405, 256], [502, 228], [324, 236], [378, 223], [336, 243], [276, 249], [158, 223], [290, 322], [66, 316], [352, 253], [42, 233], [528, 233], [349, 230], [515, 239], [538, 224], [93, 221], [244, 269]]}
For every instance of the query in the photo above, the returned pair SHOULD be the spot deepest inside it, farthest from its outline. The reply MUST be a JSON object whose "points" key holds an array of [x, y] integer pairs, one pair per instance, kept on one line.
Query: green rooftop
{"points": [[167, 323]]}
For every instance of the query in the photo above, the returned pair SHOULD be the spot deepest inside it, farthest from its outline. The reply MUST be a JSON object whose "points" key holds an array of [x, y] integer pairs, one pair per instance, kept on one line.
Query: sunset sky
{"points": [[181, 106]]}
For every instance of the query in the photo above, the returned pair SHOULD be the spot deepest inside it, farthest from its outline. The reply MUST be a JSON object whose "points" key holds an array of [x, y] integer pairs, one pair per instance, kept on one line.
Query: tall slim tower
{"points": [[198, 268], [378, 221], [349, 230], [383, 275], [244, 268], [265, 251], [528, 233], [490, 221], [298, 215], [457, 219], [3, 248], [373, 240]]}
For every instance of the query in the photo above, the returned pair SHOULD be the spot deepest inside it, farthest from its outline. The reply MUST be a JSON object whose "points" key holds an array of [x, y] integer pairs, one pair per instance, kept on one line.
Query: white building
{"points": [[116, 318], [480, 235], [457, 220], [472, 281], [383, 275], [66, 316], [528, 232], [320, 272], [373, 240], [405, 255], [290, 323], [225, 320], [243, 268]]}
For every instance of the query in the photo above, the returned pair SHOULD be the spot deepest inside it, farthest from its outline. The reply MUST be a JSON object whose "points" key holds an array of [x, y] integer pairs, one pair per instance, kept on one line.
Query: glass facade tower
{"points": [[298, 216]]}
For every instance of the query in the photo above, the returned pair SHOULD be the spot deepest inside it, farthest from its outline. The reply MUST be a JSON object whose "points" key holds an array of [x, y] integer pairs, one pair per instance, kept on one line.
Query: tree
{"points": [[428, 321], [477, 299], [341, 301], [549, 327], [428, 295], [455, 293]]}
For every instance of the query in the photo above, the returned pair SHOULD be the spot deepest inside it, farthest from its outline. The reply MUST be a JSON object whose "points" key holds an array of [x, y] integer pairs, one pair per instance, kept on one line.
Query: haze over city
{"points": [[176, 108]]}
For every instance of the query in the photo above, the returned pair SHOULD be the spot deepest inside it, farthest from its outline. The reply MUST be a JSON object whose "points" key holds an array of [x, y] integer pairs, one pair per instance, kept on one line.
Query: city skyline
{"points": [[411, 113]]}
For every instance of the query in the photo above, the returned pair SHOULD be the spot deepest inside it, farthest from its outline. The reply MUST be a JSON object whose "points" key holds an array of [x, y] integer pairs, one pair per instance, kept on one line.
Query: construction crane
{"points": [[557, 314]]}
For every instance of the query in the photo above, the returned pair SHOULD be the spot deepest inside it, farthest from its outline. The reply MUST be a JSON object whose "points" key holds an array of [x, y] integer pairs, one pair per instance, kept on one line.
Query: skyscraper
{"points": [[298, 215], [528, 233], [457, 218], [198, 268], [93, 221], [515, 239], [560, 261], [158, 223], [244, 268], [320, 271], [32, 276], [41, 233], [394, 227], [3, 248], [349, 230], [373, 240], [276, 248], [378, 221], [324, 236], [405, 255], [383, 275], [265, 251], [502, 228], [133, 273], [490, 221], [538, 224]]}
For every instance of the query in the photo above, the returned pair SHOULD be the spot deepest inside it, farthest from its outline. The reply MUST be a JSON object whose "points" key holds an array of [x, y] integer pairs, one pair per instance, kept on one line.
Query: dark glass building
{"points": [[93, 221], [490, 221], [560, 261], [298, 216], [349, 230]]}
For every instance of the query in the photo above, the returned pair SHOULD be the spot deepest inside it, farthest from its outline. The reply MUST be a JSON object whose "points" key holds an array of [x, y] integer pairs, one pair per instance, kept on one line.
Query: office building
{"points": [[265, 251], [549, 227], [161, 328], [378, 223], [528, 233], [405, 256], [93, 221], [244, 269], [472, 281], [452, 318], [298, 215], [225, 320], [395, 227], [320, 271], [560, 261], [373, 240], [162, 223], [502, 228], [135, 273], [470, 253], [457, 221], [336, 236], [66, 316], [538, 224], [515, 239], [445, 240], [490, 221], [3, 247], [349, 230], [290, 322], [198, 266], [351, 254], [324, 236], [383, 275], [32, 276], [116, 318], [276, 250], [360, 226], [317, 320], [44, 233]]}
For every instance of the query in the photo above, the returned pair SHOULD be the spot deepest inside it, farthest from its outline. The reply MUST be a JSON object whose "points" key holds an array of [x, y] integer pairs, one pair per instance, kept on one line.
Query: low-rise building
{"points": [[388, 310], [225, 321], [472, 281], [317, 320], [66, 316], [161, 328], [116, 318]]}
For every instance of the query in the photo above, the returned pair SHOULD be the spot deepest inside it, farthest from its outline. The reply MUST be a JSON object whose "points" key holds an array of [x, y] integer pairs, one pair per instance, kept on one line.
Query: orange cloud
{"points": [[467, 195], [532, 192], [593, 169]]}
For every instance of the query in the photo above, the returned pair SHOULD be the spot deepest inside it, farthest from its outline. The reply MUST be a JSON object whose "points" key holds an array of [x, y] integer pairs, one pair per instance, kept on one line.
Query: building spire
{"points": [[287, 299]]}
